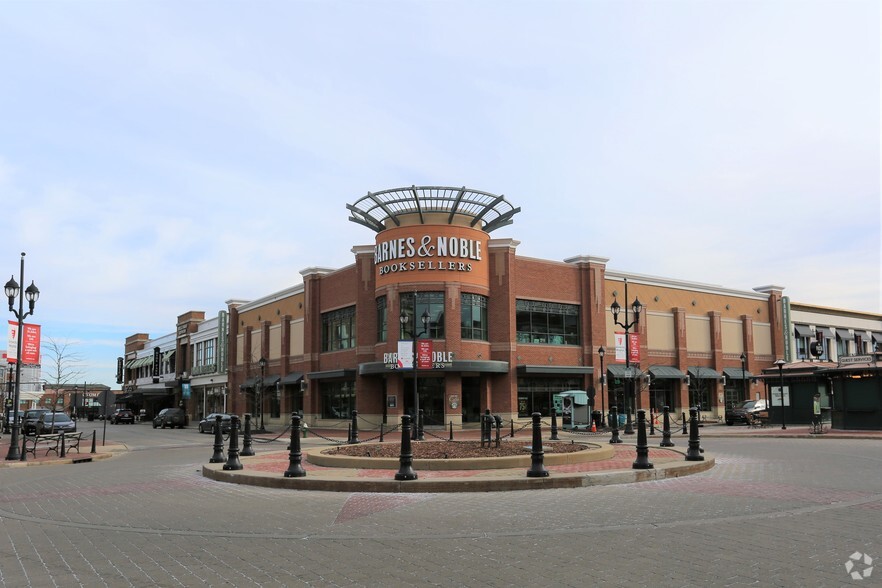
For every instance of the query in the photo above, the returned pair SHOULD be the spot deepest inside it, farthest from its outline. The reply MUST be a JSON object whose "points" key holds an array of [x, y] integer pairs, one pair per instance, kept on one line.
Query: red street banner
{"points": [[424, 354], [633, 347], [30, 343]]}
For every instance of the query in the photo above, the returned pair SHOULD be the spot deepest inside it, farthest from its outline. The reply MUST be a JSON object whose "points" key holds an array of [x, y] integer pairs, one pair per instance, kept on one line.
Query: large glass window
{"points": [[431, 302], [535, 394], [381, 319], [338, 329], [549, 323], [474, 317], [338, 399]]}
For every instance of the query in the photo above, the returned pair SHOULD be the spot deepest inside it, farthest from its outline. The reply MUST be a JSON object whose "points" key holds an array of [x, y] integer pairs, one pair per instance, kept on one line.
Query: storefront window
{"points": [[548, 323], [474, 317], [338, 399], [535, 394], [338, 329], [431, 302]]}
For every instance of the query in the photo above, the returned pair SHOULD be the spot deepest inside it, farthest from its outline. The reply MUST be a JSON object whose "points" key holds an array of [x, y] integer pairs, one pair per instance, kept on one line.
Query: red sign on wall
{"points": [[424, 354]]}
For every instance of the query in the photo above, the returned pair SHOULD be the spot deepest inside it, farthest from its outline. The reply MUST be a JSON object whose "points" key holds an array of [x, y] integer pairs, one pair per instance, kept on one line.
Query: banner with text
{"points": [[30, 343]]}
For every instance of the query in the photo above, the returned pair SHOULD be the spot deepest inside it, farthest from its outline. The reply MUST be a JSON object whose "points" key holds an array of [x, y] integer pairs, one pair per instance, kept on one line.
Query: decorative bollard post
{"points": [[61, 440], [693, 453], [233, 462], [614, 419], [295, 466], [512, 428], [218, 455], [498, 420], [420, 436], [405, 459], [94, 450], [642, 462], [24, 445], [348, 433], [537, 454], [666, 431], [247, 449], [486, 429], [354, 437], [651, 422], [381, 432], [451, 431], [554, 424], [683, 416]]}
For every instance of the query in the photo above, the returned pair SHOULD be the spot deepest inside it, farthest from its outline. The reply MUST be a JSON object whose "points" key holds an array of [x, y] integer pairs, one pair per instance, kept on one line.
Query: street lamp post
{"points": [[636, 307], [417, 433], [743, 377], [13, 290], [262, 364], [601, 352], [780, 363]]}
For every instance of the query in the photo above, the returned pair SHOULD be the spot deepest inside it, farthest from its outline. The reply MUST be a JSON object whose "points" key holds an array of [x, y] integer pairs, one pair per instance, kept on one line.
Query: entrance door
{"points": [[471, 400]]}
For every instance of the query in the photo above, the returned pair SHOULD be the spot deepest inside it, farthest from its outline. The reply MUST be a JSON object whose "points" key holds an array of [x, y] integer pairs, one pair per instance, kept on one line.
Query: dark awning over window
{"points": [[292, 378], [826, 332], [804, 331], [877, 337], [620, 371], [844, 335], [704, 373], [735, 374], [666, 372], [555, 369]]}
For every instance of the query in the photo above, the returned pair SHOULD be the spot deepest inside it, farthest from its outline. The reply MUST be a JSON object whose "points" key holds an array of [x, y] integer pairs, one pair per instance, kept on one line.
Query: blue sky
{"points": [[159, 157]]}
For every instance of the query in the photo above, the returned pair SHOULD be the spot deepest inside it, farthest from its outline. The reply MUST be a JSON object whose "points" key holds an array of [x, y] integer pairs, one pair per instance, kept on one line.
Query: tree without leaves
{"points": [[61, 366]]}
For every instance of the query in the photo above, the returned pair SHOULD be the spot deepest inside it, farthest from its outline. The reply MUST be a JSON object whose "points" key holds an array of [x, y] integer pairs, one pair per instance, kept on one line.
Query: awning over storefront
{"points": [[579, 397], [736, 374], [877, 337], [844, 335], [341, 373], [555, 369], [485, 367], [271, 380], [252, 382], [666, 372], [620, 371], [803, 331], [704, 373], [292, 378], [826, 332]]}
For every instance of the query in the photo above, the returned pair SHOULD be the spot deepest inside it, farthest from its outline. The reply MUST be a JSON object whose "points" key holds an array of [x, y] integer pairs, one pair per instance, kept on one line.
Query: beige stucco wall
{"points": [[698, 337], [660, 332], [733, 336]]}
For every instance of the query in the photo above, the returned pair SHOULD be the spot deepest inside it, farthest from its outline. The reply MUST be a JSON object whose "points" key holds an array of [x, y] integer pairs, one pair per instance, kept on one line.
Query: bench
{"points": [[52, 442]]}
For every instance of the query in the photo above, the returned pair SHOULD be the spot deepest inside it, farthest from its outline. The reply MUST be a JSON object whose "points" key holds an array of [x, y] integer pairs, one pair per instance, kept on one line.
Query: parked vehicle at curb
{"points": [[208, 424], [122, 415], [55, 422], [746, 412], [170, 417], [29, 423]]}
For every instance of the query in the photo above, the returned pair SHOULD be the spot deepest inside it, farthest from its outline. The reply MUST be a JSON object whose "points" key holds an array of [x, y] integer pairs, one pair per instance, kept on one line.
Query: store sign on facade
{"points": [[634, 347], [427, 357]]}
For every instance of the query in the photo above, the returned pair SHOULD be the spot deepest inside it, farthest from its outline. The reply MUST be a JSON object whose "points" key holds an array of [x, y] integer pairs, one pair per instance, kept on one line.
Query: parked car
{"points": [[122, 415], [29, 424], [55, 422], [208, 424], [170, 417], [745, 412]]}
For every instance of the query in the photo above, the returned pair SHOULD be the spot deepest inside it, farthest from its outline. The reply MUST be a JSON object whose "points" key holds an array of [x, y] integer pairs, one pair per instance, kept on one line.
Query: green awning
{"points": [[704, 373], [620, 371], [666, 372], [735, 374]]}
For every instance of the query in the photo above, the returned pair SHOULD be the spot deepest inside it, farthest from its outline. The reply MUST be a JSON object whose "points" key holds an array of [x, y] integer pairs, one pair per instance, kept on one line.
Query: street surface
{"points": [[773, 512]]}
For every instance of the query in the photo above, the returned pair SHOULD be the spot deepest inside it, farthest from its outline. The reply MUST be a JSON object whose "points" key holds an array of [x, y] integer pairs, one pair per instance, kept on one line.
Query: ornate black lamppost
{"points": [[261, 363], [636, 307], [417, 434], [32, 294], [601, 352], [780, 363]]}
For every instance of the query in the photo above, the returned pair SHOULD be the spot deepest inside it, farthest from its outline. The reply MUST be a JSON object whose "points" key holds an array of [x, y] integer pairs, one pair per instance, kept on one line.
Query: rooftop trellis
{"points": [[374, 209]]}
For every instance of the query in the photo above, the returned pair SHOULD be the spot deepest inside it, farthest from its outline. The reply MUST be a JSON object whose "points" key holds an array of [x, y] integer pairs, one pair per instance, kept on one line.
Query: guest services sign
{"points": [[431, 252]]}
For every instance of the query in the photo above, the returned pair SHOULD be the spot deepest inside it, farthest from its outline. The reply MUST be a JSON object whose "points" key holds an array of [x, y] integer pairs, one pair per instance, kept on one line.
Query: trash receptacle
{"points": [[597, 417]]}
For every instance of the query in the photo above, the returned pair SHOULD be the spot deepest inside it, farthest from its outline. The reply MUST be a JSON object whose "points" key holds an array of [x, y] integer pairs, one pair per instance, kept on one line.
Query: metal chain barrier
{"points": [[431, 434], [511, 435], [385, 432], [320, 436], [276, 438]]}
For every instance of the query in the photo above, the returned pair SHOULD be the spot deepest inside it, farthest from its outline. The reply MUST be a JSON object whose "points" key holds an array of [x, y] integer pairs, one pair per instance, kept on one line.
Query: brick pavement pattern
{"points": [[773, 512]]}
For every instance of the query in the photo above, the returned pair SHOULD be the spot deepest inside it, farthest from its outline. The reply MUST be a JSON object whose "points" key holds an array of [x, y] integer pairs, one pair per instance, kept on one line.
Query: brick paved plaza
{"points": [[772, 512]]}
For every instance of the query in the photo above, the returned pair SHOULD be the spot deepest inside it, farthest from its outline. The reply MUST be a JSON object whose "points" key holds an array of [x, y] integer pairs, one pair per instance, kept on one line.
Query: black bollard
{"points": [[61, 440], [498, 420], [218, 455], [247, 449], [642, 462], [666, 430], [683, 416], [233, 462], [381, 432], [405, 459], [295, 465], [451, 431], [694, 453], [512, 428], [537, 455], [354, 436], [554, 425], [94, 450], [348, 433], [486, 428], [420, 436], [614, 420], [24, 445], [651, 423]]}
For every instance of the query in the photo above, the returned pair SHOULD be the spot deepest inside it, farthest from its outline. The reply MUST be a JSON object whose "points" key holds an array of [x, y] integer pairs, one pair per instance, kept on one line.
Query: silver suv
{"points": [[745, 412]]}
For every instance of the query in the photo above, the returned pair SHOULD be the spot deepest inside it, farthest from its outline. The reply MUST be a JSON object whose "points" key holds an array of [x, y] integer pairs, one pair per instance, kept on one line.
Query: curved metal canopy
{"points": [[488, 211]]}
